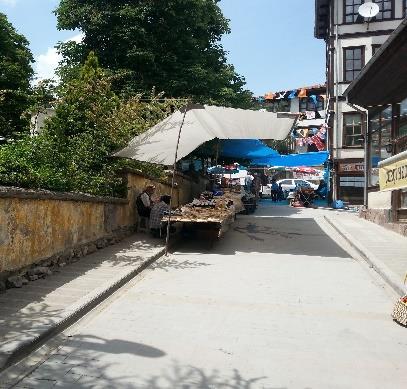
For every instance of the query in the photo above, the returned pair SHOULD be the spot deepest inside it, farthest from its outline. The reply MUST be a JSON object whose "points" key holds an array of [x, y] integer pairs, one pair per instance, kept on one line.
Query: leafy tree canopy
{"points": [[73, 151], [15, 76], [171, 45]]}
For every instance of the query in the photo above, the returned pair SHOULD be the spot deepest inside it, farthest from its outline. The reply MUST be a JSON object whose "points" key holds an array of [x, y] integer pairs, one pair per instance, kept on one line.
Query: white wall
{"points": [[379, 200]]}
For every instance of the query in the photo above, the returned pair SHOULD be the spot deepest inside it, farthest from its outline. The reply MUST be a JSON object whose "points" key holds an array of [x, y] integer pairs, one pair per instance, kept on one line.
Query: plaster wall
{"points": [[36, 225]]}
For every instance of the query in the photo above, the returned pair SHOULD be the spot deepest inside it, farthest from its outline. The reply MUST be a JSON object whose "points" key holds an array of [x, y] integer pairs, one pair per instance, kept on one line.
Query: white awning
{"points": [[202, 124]]}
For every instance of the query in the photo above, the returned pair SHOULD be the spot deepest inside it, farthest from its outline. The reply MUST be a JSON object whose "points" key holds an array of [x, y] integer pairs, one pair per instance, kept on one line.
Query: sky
{"points": [[272, 42]]}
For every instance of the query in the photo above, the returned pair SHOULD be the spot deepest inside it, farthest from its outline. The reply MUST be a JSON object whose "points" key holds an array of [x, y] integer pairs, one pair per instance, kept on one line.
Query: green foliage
{"points": [[73, 152], [15, 75], [172, 45]]}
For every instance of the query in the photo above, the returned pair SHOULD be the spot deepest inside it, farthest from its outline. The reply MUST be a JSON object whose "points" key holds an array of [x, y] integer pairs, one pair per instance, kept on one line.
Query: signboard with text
{"points": [[356, 167], [393, 175]]}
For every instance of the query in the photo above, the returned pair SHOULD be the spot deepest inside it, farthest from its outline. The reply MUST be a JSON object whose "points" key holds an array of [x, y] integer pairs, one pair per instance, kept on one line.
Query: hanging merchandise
{"points": [[302, 93], [323, 96], [292, 94], [269, 96], [279, 95], [314, 100], [310, 115], [317, 115], [317, 141]]}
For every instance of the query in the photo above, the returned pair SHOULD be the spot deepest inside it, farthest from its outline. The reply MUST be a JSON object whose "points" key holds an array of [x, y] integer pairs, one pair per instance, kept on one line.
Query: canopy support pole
{"points": [[167, 239]]}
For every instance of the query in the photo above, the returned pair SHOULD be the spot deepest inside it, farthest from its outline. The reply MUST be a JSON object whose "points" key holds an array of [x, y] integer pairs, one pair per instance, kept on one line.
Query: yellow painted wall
{"points": [[32, 229]]}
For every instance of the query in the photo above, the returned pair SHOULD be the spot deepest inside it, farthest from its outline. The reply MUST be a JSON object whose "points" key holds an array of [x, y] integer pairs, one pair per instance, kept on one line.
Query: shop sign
{"points": [[393, 175], [358, 167]]}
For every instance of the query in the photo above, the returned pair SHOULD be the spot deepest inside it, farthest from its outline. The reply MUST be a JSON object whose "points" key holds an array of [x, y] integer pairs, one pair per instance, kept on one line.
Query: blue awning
{"points": [[245, 149], [293, 160]]}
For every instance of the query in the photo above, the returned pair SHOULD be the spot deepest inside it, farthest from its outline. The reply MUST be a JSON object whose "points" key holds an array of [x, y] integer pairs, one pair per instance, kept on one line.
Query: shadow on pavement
{"points": [[28, 311], [94, 373], [272, 235]]}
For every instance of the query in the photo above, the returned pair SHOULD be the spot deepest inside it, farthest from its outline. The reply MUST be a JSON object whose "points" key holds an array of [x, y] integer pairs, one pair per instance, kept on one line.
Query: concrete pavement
{"points": [[44, 307], [278, 303], [385, 251]]}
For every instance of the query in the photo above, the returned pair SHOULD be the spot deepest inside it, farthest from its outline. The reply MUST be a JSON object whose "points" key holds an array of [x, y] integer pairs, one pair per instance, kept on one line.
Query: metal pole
{"points": [[336, 122], [167, 239]]}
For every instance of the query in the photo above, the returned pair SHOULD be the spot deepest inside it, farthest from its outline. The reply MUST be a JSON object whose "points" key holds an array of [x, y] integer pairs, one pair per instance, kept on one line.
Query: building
{"points": [[351, 41], [381, 89]]}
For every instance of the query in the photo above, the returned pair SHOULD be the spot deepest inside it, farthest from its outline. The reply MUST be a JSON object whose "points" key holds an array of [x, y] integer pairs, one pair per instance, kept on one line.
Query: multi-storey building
{"points": [[351, 40]]}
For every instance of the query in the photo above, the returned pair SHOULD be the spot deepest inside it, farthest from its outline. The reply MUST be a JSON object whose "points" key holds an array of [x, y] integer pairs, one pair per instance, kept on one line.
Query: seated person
{"points": [[156, 215], [322, 189], [144, 202]]}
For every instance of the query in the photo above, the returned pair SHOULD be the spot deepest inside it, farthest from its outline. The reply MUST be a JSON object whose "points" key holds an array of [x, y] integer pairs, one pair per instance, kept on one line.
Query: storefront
{"points": [[380, 90], [350, 180]]}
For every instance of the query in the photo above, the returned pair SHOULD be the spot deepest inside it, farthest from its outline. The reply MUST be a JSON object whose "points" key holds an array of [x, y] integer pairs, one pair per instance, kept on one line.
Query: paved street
{"points": [[276, 304]]}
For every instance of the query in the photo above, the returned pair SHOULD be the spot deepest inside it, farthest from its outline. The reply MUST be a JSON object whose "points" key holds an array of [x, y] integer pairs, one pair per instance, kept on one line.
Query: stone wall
{"points": [[36, 226], [383, 217]]}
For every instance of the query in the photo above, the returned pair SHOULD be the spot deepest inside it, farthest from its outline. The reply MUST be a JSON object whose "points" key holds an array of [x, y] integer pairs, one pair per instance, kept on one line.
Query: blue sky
{"points": [[271, 44]]}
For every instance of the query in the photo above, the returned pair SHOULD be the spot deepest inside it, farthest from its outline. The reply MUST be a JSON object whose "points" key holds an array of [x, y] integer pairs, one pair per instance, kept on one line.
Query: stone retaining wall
{"points": [[383, 217], [40, 227]]}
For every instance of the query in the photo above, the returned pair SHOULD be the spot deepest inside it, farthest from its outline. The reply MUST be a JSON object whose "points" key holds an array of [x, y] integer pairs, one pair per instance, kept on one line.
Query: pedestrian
{"points": [[274, 190], [144, 202], [157, 228], [322, 189]]}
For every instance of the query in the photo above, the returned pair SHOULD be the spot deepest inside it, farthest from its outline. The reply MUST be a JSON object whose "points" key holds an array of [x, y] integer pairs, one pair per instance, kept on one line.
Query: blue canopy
{"points": [[245, 149], [293, 160]]}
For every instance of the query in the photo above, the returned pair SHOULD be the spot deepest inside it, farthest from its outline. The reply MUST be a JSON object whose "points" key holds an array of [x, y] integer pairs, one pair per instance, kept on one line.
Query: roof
{"points": [[384, 78], [321, 18]]}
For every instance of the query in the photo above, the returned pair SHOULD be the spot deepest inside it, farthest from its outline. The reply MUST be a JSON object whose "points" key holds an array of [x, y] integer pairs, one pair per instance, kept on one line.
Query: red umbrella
{"points": [[307, 170]]}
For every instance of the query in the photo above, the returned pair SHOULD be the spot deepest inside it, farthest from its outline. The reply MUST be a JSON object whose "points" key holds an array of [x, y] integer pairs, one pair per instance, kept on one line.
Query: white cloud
{"points": [[45, 64]]}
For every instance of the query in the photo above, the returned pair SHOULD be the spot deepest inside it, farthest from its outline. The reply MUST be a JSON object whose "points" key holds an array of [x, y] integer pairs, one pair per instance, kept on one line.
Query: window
{"points": [[352, 130], [351, 11], [375, 48], [402, 130], [306, 104], [380, 130], [385, 9], [353, 62]]}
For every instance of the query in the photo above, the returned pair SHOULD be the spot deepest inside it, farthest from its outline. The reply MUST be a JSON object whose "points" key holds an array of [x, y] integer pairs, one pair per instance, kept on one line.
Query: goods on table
{"points": [[400, 309]]}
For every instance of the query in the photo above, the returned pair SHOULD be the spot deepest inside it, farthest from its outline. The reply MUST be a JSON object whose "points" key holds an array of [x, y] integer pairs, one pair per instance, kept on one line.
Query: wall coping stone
{"points": [[21, 193]]}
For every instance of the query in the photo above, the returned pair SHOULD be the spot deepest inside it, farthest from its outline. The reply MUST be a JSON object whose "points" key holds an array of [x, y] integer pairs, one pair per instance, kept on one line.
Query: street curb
{"points": [[72, 316], [388, 276]]}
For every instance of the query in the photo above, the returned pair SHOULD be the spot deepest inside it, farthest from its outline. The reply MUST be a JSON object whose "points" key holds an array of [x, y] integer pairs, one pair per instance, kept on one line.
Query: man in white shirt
{"points": [[143, 201]]}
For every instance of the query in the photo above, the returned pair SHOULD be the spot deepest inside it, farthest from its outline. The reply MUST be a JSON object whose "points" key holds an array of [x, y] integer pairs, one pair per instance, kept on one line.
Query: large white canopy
{"points": [[203, 123]]}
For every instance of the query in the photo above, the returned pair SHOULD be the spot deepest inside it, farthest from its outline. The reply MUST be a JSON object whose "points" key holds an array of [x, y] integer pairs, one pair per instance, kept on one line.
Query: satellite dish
{"points": [[368, 10]]}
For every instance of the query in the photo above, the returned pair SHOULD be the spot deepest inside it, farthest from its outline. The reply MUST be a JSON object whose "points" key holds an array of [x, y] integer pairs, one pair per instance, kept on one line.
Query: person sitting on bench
{"points": [[144, 202]]}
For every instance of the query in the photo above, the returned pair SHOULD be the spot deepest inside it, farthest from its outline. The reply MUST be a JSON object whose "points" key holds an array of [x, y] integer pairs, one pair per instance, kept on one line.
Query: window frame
{"points": [[307, 101], [392, 12], [375, 47], [344, 14], [344, 135], [404, 9], [363, 62]]}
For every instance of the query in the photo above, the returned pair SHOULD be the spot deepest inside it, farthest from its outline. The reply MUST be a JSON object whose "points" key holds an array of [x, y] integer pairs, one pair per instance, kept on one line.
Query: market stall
{"points": [[211, 213]]}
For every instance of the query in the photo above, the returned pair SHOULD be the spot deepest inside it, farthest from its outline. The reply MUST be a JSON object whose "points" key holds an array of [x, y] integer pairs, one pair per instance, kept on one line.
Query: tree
{"points": [[172, 45], [73, 151], [15, 76]]}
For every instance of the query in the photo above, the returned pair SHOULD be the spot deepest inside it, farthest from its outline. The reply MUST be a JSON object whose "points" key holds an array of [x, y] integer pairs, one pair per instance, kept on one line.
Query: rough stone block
{"points": [[14, 282], [2, 287], [91, 248]]}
